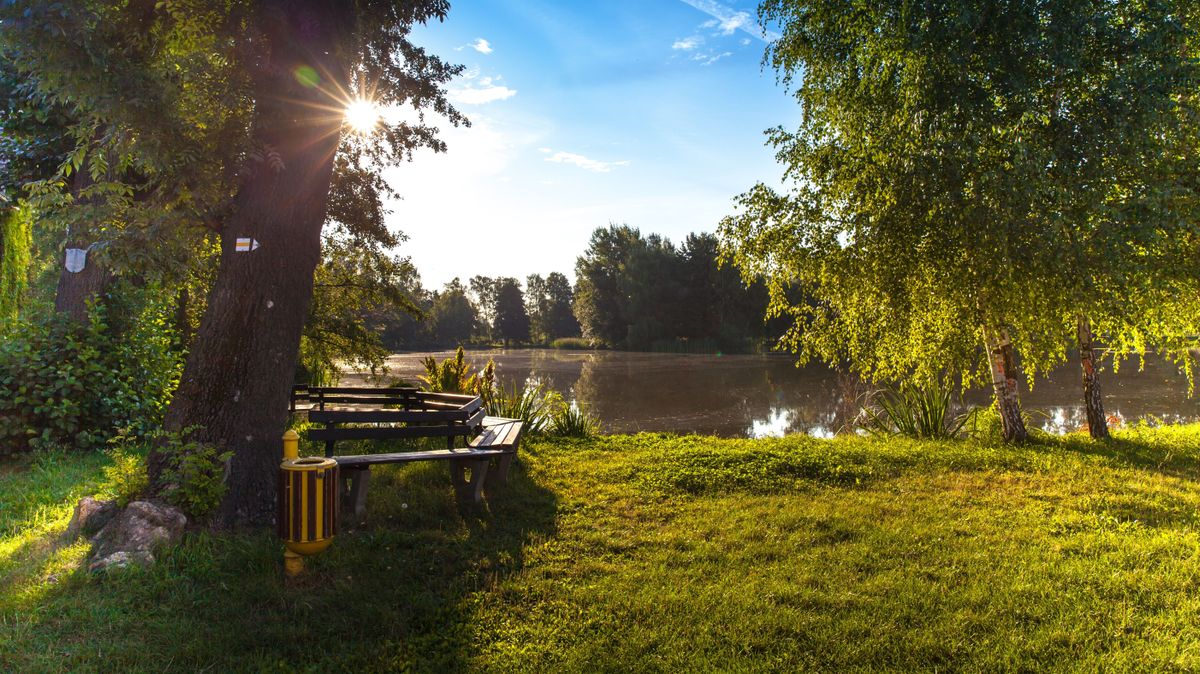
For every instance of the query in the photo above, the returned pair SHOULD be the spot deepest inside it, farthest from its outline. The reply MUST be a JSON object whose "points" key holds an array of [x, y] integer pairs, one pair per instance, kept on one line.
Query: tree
{"points": [[511, 323], [237, 380], [227, 118], [483, 291], [916, 211], [452, 319], [556, 314], [548, 302], [600, 306], [354, 281]]}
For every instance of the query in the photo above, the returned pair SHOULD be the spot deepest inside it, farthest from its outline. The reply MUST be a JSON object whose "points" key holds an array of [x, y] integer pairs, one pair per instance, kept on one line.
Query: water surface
{"points": [[766, 395]]}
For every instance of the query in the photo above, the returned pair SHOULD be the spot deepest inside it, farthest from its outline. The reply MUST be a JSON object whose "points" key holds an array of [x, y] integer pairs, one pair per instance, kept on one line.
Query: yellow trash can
{"points": [[308, 500]]}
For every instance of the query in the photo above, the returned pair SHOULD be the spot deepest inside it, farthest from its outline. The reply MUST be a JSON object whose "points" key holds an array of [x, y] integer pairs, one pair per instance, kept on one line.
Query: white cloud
{"points": [[688, 43], [730, 20], [707, 59], [560, 157], [478, 90], [481, 45], [744, 41]]}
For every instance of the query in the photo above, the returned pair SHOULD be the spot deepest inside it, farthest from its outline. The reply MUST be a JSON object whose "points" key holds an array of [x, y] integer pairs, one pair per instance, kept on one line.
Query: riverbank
{"points": [[650, 552]]}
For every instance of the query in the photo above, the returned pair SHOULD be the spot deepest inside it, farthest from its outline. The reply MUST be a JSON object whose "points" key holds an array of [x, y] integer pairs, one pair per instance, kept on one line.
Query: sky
{"points": [[650, 113]]}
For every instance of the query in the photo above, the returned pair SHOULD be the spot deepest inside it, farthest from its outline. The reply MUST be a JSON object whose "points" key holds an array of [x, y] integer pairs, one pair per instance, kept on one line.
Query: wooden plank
{"points": [[496, 421], [380, 416], [383, 433], [485, 439], [502, 435], [355, 460], [366, 390], [364, 400]]}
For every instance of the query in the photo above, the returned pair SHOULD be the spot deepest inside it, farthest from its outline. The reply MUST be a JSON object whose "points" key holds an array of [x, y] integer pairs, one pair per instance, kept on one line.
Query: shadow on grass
{"points": [[397, 592]]}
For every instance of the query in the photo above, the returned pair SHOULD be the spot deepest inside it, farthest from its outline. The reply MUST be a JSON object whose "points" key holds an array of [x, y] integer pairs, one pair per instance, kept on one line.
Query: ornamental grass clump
{"points": [[923, 412]]}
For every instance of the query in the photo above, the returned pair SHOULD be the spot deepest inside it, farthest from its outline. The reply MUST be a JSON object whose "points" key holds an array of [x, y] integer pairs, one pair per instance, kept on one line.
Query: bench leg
{"points": [[498, 471], [354, 490], [473, 489]]}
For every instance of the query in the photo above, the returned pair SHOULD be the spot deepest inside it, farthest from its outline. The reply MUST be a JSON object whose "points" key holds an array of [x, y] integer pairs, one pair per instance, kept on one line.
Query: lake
{"points": [[766, 395]]}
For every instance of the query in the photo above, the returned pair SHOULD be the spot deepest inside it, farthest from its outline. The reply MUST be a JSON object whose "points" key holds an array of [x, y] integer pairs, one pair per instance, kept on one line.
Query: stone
{"points": [[132, 536], [90, 516], [121, 560]]}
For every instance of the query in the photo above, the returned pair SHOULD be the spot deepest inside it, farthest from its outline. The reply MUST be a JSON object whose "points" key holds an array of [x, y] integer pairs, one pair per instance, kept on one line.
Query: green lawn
{"points": [[653, 553]]}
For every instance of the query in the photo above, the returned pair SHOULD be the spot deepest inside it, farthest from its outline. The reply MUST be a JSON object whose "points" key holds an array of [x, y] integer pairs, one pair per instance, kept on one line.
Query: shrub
{"points": [[193, 473], [531, 404], [913, 411], [458, 375], [73, 386], [578, 343], [126, 476], [572, 421]]}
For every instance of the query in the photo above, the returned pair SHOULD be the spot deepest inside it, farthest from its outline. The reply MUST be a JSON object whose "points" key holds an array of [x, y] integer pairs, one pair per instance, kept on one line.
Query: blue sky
{"points": [[646, 113]]}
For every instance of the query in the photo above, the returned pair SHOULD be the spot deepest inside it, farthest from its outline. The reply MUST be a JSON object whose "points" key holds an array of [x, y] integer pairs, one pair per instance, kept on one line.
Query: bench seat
{"points": [[488, 456]]}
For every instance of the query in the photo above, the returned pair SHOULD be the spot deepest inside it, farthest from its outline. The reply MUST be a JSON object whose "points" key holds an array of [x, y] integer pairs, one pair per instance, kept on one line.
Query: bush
{"points": [[126, 476], [457, 375], [193, 472], [913, 411], [73, 386], [572, 421], [577, 343], [531, 404]]}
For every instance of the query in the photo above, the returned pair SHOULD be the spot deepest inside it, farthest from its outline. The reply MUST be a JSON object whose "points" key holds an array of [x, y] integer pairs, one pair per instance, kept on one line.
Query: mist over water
{"points": [[763, 396]]}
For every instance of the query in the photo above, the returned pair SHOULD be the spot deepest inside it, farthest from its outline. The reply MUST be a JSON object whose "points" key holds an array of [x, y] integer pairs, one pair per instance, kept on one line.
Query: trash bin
{"points": [[308, 500]]}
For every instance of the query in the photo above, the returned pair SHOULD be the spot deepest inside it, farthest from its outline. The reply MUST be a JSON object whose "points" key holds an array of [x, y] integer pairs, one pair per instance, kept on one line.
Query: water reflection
{"points": [[760, 396]]}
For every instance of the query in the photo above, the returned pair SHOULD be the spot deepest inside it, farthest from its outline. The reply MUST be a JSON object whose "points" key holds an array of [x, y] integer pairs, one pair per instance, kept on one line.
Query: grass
{"points": [[660, 553]]}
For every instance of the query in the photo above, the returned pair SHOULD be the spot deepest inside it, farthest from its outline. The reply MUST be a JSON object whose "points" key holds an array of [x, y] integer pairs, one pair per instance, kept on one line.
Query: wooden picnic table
{"points": [[488, 443]]}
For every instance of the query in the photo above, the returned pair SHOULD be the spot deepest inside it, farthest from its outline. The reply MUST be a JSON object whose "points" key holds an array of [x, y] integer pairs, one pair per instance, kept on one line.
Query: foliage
{"points": [[531, 404], [1067, 551], [126, 477], [193, 472], [16, 239], [511, 323], [458, 375], [951, 165], [635, 292], [573, 343], [548, 302], [572, 421], [354, 281], [452, 319], [915, 411], [67, 385]]}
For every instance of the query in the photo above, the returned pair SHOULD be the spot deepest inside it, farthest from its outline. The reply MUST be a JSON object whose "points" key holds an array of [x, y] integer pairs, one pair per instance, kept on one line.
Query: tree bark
{"points": [[1004, 382], [1093, 400], [238, 376], [77, 290]]}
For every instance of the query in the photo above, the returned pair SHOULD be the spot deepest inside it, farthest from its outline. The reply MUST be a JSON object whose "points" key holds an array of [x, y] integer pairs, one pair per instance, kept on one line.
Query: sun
{"points": [[362, 115]]}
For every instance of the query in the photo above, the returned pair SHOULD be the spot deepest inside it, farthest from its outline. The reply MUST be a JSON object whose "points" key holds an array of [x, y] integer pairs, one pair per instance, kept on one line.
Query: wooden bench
{"points": [[488, 457]]}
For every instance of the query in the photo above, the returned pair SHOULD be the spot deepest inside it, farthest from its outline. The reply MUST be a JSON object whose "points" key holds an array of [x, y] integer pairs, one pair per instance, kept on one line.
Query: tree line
{"points": [[632, 292]]}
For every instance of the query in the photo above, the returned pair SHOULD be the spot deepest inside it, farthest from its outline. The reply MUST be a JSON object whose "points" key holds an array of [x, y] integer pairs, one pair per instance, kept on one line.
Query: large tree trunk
{"points": [[237, 381], [1004, 381], [79, 289], [1093, 401]]}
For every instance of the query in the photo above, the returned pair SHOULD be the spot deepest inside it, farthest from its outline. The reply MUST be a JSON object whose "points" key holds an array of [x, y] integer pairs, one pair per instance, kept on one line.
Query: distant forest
{"points": [[632, 292]]}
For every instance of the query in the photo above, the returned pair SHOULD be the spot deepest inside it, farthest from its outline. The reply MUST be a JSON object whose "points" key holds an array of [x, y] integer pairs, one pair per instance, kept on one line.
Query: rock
{"points": [[90, 517], [121, 560], [130, 538]]}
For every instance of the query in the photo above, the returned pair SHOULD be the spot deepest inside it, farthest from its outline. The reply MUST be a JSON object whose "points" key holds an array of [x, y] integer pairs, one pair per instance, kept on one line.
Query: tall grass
{"points": [[923, 412], [572, 421], [530, 404]]}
